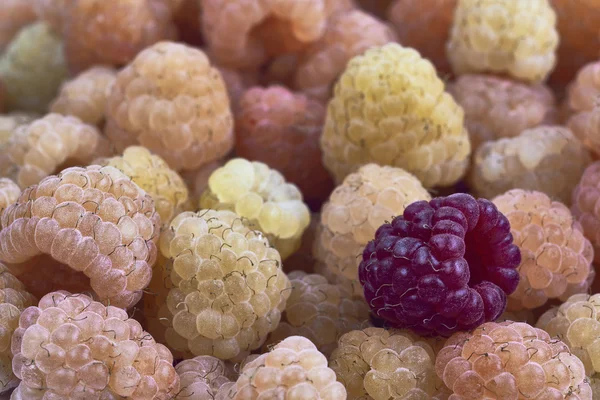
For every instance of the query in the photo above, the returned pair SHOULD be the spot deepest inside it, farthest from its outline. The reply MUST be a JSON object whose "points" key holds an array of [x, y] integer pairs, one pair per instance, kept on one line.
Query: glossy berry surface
{"points": [[443, 266]]}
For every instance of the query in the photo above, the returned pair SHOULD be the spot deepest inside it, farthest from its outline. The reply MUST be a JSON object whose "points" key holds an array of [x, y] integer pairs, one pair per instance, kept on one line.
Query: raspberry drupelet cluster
{"points": [[9, 193], [443, 266], [202, 378], [586, 205], [582, 103]]}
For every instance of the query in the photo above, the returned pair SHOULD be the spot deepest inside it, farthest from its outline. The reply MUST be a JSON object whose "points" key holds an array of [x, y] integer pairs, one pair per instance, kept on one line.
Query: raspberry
{"points": [[282, 129], [379, 364], [488, 36], [70, 346], [201, 378], [586, 205], [260, 194], [348, 35], [554, 252], [13, 299], [8, 124], [14, 15], [49, 144], [85, 96], [303, 259], [237, 82], [197, 179], [152, 174], [443, 266], [497, 108], [225, 287], [356, 208], [9, 193], [390, 108], [424, 26], [582, 102], [510, 360], [294, 369], [95, 221], [319, 311], [548, 159], [172, 101], [32, 69], [99, 32]]}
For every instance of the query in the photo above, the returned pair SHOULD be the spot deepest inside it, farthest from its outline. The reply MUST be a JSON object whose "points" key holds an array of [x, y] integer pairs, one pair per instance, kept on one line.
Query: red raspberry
{"points": [[444, 266]]}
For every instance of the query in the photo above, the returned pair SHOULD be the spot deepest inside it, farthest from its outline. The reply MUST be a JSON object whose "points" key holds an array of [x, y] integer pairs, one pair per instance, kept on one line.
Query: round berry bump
{"points": [[32, 68], [510, 360], [390, 108], [443, 266], [9, 193], [8, 124], [72, 347], [487, 36], [294, 369], [46, 145], [201, 378], [582, 103], [260, 194], [348, 34], [170, 100], [497, 108], [378, 364], [85, 95], [85, 228], [549, 159], [586, 205], [555, 256], [14, 15]]}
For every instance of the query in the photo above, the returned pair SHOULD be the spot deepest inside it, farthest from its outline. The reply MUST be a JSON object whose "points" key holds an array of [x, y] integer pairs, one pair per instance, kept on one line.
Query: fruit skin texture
{"points": [[226, 289], [70, 346], [496, 108], [390, 108], [443, 266], [95, 221], [13, 299], [201, 378], [85, 95], [504, 37], [510, 360], [14, 15], [361, 204], [582, 102], [260, 194], [555, 256], [8, 124], [586, 205], [379, 364], [294, 369], [9, 193], [319, 311], [32, 68], [180, 110], [281, 129], [549, 159]]}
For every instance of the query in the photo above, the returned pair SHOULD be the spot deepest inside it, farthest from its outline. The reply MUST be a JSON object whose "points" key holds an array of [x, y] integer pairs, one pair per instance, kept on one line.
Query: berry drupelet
{"points": [[444, 266]]}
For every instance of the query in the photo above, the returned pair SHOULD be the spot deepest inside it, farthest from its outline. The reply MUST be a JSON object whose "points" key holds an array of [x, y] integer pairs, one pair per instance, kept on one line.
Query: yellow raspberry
{"points": [[153, 175], [14, 15], [554, 252], [582, 102], [173, 102], [518, 38], [379, 364], [225, 286], [260, 194], [32, 69], [586, 205], [9, 193], [201, 378], [390, 108], [549, 159]]}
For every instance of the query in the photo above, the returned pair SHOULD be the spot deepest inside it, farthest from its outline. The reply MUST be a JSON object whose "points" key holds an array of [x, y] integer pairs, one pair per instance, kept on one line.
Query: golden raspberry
{"points": [[554, 252], [71, 347], [201, 378], [319, 311], [14, 15], [13, 299], [517, 38], [32, 69], [379, 364], [85, 95], [497, 108], [50, 144], [586, 205], [510, 360], [425, 26], [9, 193], [152, 174], [281, 129], [548, 159], [582, 102], [356, 208], [260, 194], [197, 179], [173, 102], [390, 108], [95, 221], [225, 286], [294, 369], [8, 124], [348, 34]]}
